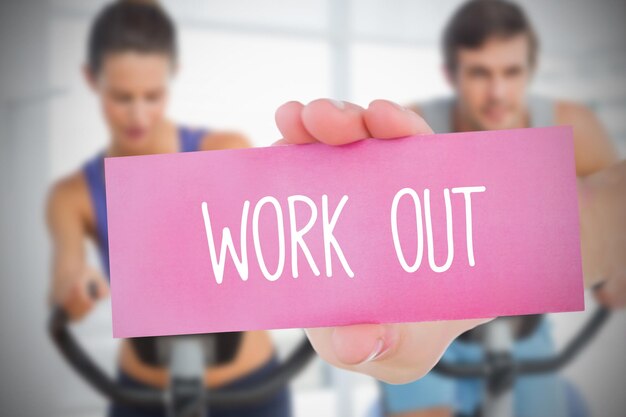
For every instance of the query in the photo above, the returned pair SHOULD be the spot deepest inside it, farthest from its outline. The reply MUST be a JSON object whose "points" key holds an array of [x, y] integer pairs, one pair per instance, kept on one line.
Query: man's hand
{"points": [[395, 353], [603, 233]]}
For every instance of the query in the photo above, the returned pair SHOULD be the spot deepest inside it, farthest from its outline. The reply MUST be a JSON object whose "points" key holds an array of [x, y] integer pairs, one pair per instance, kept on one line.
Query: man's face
{"points": [[491, 83]]}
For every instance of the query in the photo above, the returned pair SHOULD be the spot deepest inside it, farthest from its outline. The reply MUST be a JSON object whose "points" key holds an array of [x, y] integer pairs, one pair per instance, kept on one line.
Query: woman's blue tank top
{"points": [[93, 170], [227, 343]]}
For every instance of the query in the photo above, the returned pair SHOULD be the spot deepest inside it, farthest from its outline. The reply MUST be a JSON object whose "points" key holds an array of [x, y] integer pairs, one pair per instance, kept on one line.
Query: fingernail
{"points": [[397, 106], [376, 352], [337, 103]]}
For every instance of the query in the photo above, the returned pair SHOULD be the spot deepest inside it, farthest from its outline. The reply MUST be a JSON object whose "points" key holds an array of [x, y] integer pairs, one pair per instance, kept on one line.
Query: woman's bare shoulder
{"points": [[224, 140], [69, 195]]}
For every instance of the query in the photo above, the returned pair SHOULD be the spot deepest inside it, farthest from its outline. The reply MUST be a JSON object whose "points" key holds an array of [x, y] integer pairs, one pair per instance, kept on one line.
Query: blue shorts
{"points": [[277, 406], [535, 395]]}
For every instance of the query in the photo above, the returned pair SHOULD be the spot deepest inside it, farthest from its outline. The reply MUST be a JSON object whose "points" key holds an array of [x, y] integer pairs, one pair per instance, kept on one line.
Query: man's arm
{"points": [[593, 149], [603, 233], [602, 201]]}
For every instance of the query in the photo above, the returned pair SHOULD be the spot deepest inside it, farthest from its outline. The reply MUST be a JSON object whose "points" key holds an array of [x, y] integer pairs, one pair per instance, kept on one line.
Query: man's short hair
{"points": [[479, 20]]}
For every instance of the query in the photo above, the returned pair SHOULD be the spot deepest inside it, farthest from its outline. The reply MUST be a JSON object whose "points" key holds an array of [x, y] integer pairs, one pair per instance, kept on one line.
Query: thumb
{"points": [[364, 342]]}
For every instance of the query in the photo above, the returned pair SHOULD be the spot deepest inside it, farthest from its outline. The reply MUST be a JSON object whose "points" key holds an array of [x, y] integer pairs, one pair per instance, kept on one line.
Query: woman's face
{"points": [[133, 92]]}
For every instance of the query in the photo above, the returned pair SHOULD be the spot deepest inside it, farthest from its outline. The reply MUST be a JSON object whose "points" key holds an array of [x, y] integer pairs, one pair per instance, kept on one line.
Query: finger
{"points": [[77, 301], [289, 122], [103, 288], [80, 295], [94, 284], [386, 119], [334, 122], [604, 298], [612, 293], [93, 288]]}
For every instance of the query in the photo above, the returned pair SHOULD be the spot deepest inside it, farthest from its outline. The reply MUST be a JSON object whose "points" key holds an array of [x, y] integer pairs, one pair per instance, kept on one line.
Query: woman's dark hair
{"points": [[130, 25], [478, 20]]}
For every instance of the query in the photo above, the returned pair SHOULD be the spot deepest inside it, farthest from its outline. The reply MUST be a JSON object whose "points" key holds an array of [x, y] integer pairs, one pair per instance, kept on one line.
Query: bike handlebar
{"points": [[535, 366], [155, 398]]}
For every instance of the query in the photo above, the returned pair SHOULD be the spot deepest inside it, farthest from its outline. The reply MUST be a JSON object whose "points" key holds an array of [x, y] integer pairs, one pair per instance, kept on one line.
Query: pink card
{"points": [[422, 228]]}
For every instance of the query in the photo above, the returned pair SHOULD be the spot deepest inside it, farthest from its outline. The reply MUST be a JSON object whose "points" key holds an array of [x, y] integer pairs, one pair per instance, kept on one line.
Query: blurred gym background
{"points": [[240, 59]]}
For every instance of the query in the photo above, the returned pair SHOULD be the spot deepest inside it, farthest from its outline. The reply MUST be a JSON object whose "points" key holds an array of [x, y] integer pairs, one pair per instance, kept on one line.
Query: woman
{"points": [[131, 60]]}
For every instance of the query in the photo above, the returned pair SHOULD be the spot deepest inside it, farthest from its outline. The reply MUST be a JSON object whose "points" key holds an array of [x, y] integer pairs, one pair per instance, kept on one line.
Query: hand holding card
{"points": [[396, 353]]}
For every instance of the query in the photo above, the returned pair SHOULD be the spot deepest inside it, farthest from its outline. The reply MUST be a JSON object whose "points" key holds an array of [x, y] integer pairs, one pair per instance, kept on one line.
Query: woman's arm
{"points": [[70, 274], [224, 140]]}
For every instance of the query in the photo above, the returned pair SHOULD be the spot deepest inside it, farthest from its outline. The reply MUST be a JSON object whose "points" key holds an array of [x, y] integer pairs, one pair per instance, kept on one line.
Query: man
{"points": [[409, 350], [490, 54]]}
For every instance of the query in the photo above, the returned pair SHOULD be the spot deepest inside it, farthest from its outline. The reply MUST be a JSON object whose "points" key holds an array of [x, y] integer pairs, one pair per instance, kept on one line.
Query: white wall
{"points": [[27, 361]]}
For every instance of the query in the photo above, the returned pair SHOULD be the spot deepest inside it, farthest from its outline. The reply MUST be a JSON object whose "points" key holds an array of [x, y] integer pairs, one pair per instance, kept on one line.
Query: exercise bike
{"points": [[186, 357], [499, 369]]}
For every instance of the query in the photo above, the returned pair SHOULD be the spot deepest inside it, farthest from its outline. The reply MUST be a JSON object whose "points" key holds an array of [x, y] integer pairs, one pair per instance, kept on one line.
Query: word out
{"points": [[467, 192]]}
